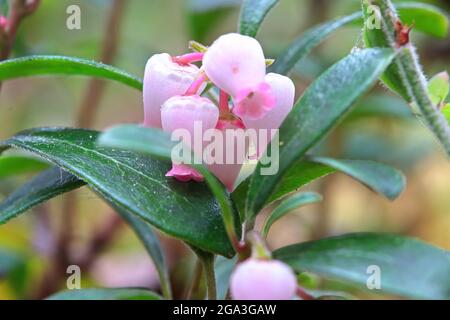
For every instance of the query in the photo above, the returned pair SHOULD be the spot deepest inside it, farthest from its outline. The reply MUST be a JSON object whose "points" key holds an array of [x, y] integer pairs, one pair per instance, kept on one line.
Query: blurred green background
{"points": [[381, 128]]}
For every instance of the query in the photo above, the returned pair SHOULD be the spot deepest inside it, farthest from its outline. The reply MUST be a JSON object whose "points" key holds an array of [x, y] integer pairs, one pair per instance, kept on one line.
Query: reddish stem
{"points": [[303, 294], [195, 86], [223, 103], [189, 58]]}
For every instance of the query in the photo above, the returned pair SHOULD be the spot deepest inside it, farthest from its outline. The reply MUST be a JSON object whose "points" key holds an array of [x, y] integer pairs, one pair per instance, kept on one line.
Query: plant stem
{"points": [[207, 261], [195, 284], [96, 87], [412, 76]]}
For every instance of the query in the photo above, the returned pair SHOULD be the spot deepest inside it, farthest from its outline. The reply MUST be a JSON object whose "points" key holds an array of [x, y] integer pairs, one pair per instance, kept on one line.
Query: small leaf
{"points": [[287, 206], [52, 65], [446, 112], [157, 143], [252, 15], [303, 45], [439, 87], [320, 108], [424, 17], [105, 294], [47, 185], [16, 165], [133, 182], [408, 267]]}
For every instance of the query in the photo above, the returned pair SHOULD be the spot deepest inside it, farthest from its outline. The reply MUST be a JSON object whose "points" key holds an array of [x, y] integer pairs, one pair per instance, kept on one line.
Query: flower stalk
{"points": [[410, 72]]}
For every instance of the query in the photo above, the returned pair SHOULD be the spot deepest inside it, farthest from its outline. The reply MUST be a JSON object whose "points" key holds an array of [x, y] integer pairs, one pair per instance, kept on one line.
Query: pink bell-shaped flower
{"points": [[195, 115], [233, 145], [235, 62], [283, 90], [261, 279], [163, 79]]}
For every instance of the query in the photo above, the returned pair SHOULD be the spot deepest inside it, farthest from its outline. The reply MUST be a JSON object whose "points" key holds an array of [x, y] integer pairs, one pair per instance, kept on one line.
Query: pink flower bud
{"points": [[163, 79], [283, 90], [195, 114], [235, 62], [254, 103], [256, 279], [234, 151]]}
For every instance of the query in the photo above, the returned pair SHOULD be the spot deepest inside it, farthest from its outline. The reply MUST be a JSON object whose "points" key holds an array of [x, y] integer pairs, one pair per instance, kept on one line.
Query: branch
{"points": [[410, 72], [96, 87]]}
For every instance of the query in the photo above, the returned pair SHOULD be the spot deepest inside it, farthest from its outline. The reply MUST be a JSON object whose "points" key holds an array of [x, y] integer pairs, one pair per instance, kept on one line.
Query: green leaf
{"points": [[446, 112], [381, 178], [424, 17], [376, 176], [287, 206], [427, 18], [321, 107], [51, 65], [105, 294], [47, 185], [439, 87], [16, 165], [252, 15], [8, 261], [157, 143], [133, 182], [408, 267], [303, 45]]}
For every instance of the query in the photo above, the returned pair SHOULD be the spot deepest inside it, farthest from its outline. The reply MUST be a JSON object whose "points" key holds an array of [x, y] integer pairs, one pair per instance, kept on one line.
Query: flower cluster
{"points": [[248, 98]]}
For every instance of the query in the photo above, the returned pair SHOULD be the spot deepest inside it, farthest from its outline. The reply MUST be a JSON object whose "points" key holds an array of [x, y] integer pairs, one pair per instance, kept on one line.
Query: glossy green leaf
{"points": [[157, 143], [439, 87], [16, 165], [287, 206], [105, 294], [252, 15], [408, 267], [303, 45], [427, 18], [133, 182], [51, 65], [381, 178], [376, 176], [320, 108], [8, 261], [47, 185], [424, 17]]}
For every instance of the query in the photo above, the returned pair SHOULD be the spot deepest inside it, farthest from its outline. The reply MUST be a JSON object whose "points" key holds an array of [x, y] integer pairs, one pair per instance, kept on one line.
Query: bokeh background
{"points": [[381, 128]]}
